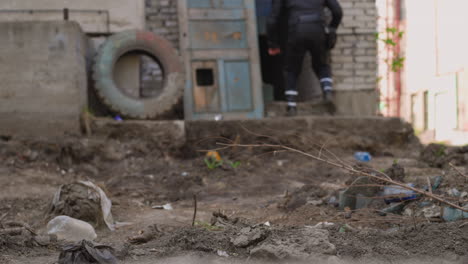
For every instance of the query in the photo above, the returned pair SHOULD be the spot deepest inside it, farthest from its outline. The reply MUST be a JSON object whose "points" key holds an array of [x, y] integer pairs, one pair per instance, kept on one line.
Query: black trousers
{"points": [[301, 39]]}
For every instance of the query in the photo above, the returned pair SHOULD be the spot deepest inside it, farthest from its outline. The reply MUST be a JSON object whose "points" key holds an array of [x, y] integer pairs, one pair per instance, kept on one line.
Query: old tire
{"points": [[149, 44]]}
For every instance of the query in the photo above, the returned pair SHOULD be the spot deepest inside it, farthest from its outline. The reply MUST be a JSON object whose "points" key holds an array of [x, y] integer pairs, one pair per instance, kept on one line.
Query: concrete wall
{"points": [[43, 78], [123, 14]]}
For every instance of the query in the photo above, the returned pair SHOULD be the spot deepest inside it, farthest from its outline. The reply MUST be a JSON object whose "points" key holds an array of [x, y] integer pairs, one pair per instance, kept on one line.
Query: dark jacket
{"points": [[294, 10]]}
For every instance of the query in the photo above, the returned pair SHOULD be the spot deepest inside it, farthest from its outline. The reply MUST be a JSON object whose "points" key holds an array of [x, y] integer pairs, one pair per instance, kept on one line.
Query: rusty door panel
{"points": [[218, 35], [220, 49]]}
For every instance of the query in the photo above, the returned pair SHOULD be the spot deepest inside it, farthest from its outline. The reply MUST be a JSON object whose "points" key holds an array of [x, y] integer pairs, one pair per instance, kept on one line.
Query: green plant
{"points": [[440, 151], [391, 37], [234, 164], [212, 163]]}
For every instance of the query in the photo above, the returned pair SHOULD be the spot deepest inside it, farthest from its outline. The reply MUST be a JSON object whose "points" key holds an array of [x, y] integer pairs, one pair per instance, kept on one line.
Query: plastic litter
{"points": [[163, 207], [451, 214], [323, 225], [86, 252], [395, 193], [97, 192], [70, 229], [360, 194], [396, 208], [363, 156], [454, 192]]}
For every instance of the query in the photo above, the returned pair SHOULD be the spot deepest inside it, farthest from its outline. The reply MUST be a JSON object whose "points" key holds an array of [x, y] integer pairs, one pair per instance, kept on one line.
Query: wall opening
{"points": [[205, 77]]}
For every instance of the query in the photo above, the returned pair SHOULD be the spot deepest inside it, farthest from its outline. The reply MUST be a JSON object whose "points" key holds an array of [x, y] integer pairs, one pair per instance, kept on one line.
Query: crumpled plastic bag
{"points": [[105, 202], [86, 252]]}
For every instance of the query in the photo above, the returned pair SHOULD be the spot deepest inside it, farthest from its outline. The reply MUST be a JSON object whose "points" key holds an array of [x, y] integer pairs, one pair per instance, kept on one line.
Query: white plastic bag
{"points": [[70, 229]]}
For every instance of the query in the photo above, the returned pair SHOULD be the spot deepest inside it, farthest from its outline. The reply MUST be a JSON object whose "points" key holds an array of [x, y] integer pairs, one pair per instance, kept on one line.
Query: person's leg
{"points": [[321, 61], [294, 56], [321, 66]]}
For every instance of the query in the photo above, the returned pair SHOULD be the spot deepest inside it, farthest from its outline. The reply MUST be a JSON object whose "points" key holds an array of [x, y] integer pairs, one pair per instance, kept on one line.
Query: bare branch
{"points": [[458, 171], [362, 173]]}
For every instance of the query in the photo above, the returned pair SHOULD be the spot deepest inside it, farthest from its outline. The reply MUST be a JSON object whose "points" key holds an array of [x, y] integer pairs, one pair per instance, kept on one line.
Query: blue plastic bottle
{"points": [[363, 156]]}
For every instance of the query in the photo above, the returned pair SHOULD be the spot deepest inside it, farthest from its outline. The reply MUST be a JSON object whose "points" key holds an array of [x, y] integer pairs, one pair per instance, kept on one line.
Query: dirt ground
{"points": [[261, 205]]}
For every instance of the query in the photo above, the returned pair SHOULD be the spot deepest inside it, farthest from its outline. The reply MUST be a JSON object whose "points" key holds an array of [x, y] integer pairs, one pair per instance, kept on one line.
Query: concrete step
{"points": [[315, 107]]}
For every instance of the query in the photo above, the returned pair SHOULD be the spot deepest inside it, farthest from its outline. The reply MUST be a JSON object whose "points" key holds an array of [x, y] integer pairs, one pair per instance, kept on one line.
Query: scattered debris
{"points": [[145, 236], [323, 225], [85, 201], [86, 252], [163, 207], [222, 253], [360, 194], [433, 211], [70, 229], [451, 214]]}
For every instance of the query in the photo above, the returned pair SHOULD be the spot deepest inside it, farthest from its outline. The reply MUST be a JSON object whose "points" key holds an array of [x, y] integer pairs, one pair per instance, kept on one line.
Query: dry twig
{"points": [[429, 185], [458, 171], [349, 168], [194, 209]]}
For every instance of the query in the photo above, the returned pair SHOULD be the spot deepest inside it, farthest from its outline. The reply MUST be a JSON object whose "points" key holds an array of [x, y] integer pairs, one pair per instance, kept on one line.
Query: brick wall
{"points": [[354, 59], [162, 19]]}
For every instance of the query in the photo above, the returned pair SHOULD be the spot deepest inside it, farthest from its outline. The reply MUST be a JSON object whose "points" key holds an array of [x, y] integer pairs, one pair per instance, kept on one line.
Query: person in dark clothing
{"points": [[307, 31]]}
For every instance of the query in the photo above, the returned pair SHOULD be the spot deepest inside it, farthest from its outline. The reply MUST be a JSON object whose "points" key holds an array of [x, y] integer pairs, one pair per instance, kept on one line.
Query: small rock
{"points": [[302, 244], [431, 211], [45, 240], [249, 237]]}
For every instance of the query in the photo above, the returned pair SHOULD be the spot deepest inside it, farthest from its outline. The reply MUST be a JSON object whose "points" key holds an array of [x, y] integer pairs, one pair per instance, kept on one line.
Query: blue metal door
{"points": [[220, 49]]}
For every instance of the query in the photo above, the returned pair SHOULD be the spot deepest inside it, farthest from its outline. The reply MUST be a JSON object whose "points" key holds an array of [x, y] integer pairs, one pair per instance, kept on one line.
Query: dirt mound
{"points": [[438, 155], [423, 240], [255, 241]]}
